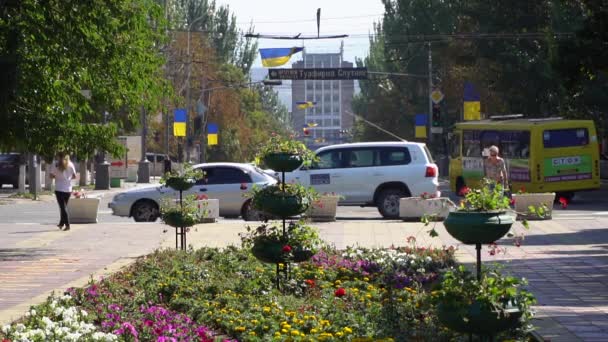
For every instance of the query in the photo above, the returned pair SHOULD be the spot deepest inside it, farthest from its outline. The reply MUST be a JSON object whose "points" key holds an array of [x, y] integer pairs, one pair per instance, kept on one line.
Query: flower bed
{"points": [[217, 295]]}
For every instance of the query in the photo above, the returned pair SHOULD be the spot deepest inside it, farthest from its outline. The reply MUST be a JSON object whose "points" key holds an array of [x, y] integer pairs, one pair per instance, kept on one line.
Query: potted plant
{"points": [[282, 200], [284, 154], [181, 181], [82, 208], [269, 243], [483, 307], [182, 214], [411, 208], [324, 207]]}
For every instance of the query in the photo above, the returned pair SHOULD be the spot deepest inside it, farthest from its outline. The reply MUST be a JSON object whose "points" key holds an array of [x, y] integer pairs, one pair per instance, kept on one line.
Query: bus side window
{"points": [[455, 145]]}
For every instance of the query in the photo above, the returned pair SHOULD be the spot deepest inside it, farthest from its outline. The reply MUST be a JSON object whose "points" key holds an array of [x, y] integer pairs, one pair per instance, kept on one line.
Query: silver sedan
{"points": [[227, 182]]}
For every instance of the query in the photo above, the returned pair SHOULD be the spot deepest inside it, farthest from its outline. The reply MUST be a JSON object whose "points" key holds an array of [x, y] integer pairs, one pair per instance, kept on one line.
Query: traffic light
{"points": [[436, 115]]}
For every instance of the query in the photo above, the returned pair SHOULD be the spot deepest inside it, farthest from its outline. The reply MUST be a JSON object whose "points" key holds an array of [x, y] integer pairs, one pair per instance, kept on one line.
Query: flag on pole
{"points": [[212, 132], [179, 122], [420, 121], [472, 104], [305, 104], [277, 56]]}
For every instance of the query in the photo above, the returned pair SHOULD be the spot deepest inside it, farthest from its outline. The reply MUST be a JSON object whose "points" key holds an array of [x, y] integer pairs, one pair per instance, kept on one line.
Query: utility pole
{"points": [[430, 115], [143, 170]]}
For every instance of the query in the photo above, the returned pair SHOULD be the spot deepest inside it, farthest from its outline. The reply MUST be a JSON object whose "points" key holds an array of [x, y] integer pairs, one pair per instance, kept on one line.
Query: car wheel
{"points": [[145, 211], [388, 202], [252, 214]]}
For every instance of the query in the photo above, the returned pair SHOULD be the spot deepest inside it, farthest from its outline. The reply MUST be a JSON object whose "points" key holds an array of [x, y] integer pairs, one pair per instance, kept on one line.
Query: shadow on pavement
{"points": [[596, 236], [21, 254]]}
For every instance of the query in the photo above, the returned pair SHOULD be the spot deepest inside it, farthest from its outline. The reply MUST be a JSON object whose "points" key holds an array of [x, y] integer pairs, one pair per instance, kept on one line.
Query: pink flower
{"points": [[564, 202], [286, 249], [202, 197]]}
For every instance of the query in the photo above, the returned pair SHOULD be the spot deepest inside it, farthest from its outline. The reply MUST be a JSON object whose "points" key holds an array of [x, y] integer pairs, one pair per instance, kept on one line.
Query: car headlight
{"points": [[119, 197]]}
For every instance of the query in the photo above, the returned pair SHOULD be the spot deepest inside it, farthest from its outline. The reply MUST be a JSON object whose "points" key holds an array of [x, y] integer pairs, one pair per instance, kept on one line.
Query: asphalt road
{"points": [[584, 205]]}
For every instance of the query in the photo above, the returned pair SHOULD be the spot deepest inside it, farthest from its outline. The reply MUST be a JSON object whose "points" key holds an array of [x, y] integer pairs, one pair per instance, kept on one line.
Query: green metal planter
{"points": [[478, 319], [282, 205], [282, 162], [179, 183], [177, 219], [478, 227], [272, 252]]}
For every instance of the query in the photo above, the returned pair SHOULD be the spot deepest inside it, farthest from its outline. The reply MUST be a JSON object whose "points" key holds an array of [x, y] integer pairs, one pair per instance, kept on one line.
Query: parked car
{"points": [[9, 169], [227, 182], [372, 173]]}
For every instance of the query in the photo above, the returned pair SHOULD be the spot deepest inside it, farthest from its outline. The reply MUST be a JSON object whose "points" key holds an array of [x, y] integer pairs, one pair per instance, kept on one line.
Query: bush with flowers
{"points": [[209, 294], [285, 144]]}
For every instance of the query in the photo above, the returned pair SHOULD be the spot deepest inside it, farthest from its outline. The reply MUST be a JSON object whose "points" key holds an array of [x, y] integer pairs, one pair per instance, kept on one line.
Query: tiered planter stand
{"points": [[283, 206], [178, 221], [478, 228]]}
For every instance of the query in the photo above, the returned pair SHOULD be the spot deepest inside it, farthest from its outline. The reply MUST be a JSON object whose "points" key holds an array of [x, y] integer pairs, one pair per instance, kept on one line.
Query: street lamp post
{"points": [[188, 147]]}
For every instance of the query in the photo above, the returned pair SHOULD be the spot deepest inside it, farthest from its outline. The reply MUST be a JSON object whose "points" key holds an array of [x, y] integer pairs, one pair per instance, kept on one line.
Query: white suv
{"points": [[372, 173]]}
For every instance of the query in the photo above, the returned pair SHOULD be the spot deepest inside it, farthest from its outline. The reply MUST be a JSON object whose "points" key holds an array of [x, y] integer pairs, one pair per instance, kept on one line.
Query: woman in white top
{"points": [[63, 172]]}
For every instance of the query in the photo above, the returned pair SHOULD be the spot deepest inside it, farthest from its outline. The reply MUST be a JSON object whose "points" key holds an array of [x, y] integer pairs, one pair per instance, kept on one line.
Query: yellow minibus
{"points": [[542, 155]]}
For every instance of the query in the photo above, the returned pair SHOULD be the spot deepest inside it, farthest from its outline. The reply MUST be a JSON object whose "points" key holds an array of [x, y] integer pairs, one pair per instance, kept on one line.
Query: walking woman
{"points": [[495, 169], [63, 172]]}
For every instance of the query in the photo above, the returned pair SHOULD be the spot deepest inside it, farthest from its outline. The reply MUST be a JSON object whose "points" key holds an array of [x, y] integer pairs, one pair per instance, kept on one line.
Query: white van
{"points": [[372, 173]]}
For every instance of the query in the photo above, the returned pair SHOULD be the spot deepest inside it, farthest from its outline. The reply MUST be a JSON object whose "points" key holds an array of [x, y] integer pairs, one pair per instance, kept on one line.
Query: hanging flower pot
{"points": [[283, 205], [179, 183], [282, 161], [478, 227], [275, 252], [176, 218], [478, 318]]}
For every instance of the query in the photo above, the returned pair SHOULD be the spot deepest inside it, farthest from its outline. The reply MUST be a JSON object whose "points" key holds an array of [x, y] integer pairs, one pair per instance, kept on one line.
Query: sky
{"points": [[290, 17]]}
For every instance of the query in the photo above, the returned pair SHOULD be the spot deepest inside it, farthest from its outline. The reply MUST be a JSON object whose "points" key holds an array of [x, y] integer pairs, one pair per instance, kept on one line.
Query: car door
{"points": [[228, 185], [325, 175], [360, 175]]}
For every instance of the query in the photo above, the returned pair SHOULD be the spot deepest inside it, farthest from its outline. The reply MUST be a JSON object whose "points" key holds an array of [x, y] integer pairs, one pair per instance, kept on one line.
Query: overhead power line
{"points": [[307, 20], [374, 125]]}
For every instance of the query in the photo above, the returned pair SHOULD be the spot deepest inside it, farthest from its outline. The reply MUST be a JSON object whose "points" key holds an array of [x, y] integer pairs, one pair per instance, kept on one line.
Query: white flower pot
{"points": [[209, 210], [524, 201], [83, 210], [413, 208], [324, 209]]}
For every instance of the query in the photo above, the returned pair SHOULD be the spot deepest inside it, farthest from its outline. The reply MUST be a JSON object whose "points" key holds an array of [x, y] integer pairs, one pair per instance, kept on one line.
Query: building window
{"points": [[309, 85], [336, 122]]}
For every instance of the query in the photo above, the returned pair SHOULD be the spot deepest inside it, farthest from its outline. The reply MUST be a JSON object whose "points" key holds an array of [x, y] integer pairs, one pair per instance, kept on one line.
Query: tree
{"points": [[109, 47]]}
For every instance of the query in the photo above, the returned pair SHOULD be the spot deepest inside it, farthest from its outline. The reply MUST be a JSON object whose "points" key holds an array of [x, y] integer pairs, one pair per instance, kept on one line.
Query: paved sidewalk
{"points": [[564, 260]]}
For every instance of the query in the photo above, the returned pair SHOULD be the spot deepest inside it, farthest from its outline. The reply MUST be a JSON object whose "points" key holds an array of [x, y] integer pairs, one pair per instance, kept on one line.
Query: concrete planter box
{"points": [[209, 210], [524, 201], [324, 209], [83, 210], [413, 208]]}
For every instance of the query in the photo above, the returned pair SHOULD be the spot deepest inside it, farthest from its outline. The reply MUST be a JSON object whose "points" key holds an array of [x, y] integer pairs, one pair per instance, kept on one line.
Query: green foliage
{"points": [[460, 288], [281, 144], [63, 49], [188, 174], [184, 214], [260, 194], [490, 197], [297, 234]]}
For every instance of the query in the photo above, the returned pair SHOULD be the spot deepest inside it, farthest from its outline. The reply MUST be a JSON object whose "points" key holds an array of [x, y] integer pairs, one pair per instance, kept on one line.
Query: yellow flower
{"points": [[266, 309], [370, 287], [218, 320], [339, 334], [254, 321], [365, 279], [324, 322], [434, 293], [266, 327], [284, 331], [295, 333], [338, 282], [240, 329], [313, 331], [286, 326], [252, 333], [348, 330], [399, 299], [369, 296], [277, 334]]}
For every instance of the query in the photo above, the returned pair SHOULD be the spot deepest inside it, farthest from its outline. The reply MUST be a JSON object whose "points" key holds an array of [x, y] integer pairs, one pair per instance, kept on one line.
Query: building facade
{"points": [[327, 121]]}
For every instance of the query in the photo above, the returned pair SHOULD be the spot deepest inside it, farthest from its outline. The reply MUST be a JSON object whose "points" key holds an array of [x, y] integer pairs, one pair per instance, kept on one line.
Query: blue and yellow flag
{"points": [[305, 104], [420, 121], [180, 116], [212, 132], [277, 56], [472, 104]]}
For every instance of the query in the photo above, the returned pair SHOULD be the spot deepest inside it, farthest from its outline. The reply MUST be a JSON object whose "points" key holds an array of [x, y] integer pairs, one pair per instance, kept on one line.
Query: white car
{"points": [[227, 182], [372, 173]]}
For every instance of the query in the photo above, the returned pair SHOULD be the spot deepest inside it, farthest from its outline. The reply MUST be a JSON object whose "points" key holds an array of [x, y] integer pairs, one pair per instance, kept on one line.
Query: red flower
{"points": [[286, 249], [464, 190], [6, 340], [522, 189], [202, 197], [512, 201], [341, 292], [310, 282], [564, 202]]}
